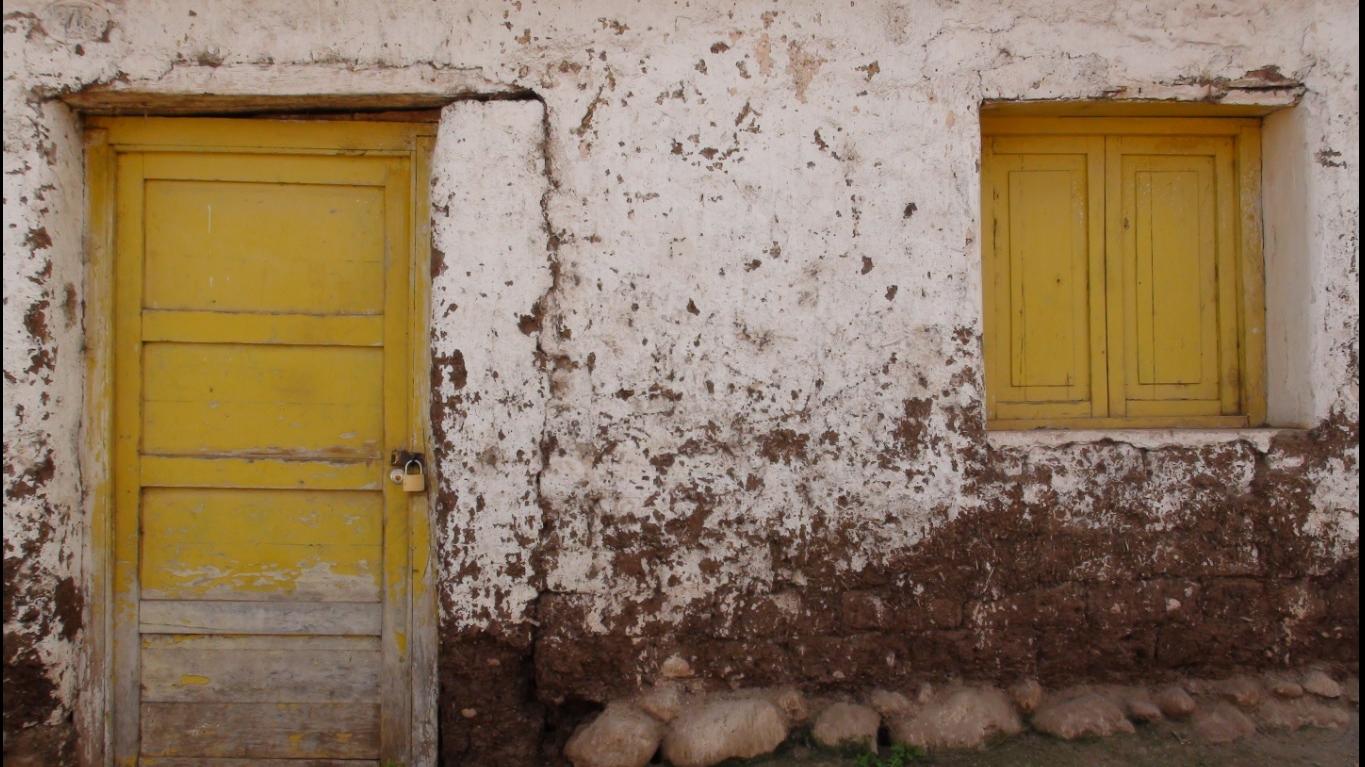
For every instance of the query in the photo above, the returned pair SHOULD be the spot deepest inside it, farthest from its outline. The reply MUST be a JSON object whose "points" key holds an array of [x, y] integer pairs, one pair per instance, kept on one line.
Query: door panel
{"points": [[262, 376], [237, 246], [268, 545], [263, 731]]}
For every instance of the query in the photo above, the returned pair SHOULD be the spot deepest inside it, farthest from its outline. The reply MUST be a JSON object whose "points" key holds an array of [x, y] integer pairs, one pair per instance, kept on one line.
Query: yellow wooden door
{"points": [[262, 376]]}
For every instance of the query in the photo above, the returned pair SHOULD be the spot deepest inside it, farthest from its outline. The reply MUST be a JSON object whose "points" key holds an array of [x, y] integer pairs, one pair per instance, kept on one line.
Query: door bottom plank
{"points": [[261, 730]]}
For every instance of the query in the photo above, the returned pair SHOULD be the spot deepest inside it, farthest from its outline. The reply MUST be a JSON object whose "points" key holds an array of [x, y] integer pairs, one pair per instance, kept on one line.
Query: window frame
{"points": [[1249, 281]]}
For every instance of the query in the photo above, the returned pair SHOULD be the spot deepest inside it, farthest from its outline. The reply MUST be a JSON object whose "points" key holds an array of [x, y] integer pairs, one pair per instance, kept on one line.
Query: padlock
{"points": [[414, 481]]}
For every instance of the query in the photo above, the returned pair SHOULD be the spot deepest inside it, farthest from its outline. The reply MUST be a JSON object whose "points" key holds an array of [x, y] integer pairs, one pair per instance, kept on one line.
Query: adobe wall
{"points": [[707, 376]]}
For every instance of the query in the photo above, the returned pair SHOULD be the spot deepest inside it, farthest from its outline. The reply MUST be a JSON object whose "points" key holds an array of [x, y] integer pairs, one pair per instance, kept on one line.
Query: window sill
{"points": [[1146, 439]]}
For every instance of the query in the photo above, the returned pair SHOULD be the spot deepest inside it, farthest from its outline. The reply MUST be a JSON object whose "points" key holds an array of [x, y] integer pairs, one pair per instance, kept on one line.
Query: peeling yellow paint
{"points": [[264, 371]]}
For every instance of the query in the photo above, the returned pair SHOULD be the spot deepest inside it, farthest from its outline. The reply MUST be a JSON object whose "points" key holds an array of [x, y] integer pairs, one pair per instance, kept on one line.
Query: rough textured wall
{"points": [[721, 395]]}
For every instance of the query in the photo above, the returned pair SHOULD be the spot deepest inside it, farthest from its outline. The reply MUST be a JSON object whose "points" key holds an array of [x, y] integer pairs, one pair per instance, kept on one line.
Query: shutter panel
{"points": [[1043, 240], [1172, 264]]}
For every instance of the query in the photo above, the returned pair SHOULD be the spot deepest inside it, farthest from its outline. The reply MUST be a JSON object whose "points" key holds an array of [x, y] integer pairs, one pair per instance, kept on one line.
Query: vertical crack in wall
{"points": [[547, 309]]}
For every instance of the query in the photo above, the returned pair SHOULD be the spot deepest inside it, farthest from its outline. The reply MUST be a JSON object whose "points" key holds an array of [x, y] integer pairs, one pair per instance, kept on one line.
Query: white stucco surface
{"points": [[719, 316]]}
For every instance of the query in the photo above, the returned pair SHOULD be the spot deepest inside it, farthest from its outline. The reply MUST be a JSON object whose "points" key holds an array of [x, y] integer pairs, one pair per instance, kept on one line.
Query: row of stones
{"points": [[695, 729]]}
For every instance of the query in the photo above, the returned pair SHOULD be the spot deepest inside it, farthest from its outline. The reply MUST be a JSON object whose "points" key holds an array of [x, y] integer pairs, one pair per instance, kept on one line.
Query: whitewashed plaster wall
{"points": [[742, 356]]}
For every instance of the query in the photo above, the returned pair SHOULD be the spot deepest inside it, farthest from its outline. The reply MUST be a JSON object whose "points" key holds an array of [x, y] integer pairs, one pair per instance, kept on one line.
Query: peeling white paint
{"points": [[729, 187]]}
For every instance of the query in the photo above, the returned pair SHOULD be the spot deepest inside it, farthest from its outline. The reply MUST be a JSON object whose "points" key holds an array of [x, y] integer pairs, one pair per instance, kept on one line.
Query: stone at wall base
{"points": [[1081, 716], [621, 736], [1222, 722], [724, 729], [962, 718], [847, 724]]}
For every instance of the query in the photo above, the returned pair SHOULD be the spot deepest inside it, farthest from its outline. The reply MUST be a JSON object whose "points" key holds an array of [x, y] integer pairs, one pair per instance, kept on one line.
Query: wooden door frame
{"points": [[95, 717]]}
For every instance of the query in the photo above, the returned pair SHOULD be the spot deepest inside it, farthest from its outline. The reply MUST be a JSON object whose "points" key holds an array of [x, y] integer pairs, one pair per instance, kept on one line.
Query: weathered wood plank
{"points": [[244, 328], [225, 246], [261, 730], [325, 618], [213, 399], [262, 545], [270, 669], [264, 471]]}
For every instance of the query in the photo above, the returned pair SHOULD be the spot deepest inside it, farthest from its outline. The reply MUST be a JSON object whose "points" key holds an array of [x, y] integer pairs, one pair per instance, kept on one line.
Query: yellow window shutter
{"points": [[1042, 201], [1172, 276]]}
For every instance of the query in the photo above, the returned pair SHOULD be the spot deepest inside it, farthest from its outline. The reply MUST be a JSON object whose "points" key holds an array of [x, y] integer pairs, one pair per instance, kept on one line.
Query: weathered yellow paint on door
{"points": [[262, 374], [1113, 281]]}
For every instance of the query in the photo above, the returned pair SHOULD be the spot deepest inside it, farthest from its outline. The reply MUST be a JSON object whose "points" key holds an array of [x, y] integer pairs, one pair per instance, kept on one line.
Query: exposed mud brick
{"points": [[1216, 645], [487, 705], [783, 615], [1108, 653], [1060, 607], [864, 610], [859, 660], [1163, 600], [701, 384], [745, 663]]}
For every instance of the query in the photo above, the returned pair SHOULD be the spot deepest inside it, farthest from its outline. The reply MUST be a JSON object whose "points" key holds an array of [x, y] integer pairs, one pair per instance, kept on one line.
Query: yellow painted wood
{"points": [[1174, 350], [396, 684], [1251, 270], [127, 456], [1169, 265], [1125, 109], [237, 244], [261, 399], [264, 370], [261, 544], [242, 328], [1175, 306], [97, 431], [344, 472], [201, 135], [1116, 126], [1042, 253], [1231, 330]]}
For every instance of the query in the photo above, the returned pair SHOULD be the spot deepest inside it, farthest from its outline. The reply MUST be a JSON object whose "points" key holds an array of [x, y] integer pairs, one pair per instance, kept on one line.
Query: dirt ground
{"points": [[1152, 746]]}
